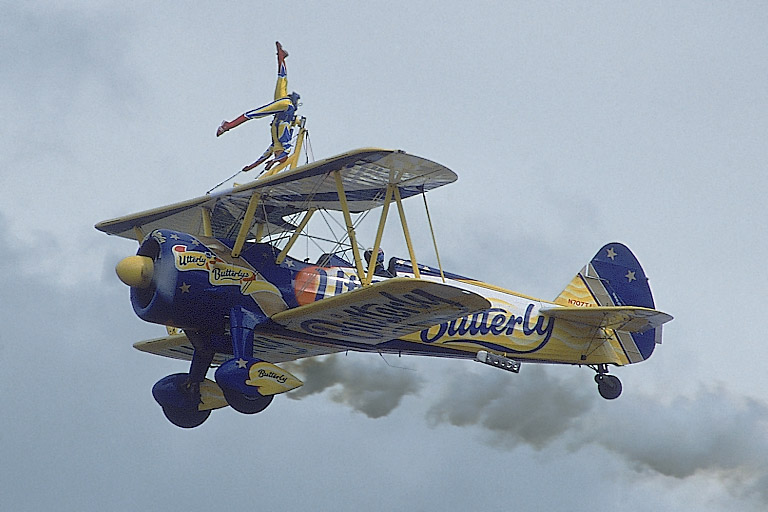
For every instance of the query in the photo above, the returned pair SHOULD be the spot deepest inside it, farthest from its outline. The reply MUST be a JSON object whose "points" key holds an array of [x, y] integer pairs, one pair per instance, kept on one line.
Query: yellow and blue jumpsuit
{"points": [[283, 108]]}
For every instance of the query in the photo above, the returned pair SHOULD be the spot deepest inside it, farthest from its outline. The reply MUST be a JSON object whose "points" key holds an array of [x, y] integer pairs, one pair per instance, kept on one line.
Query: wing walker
{"points": [[224, 273]]}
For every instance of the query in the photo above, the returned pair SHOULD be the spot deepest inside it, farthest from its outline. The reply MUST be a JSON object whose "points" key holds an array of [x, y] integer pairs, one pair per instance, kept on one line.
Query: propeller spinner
{"points": [[136, 271]]}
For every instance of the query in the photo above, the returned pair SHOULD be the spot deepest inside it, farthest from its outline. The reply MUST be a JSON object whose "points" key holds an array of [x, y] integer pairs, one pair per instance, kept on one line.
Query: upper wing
{"points": [[382, 311], [620, 318], [365, 176]]}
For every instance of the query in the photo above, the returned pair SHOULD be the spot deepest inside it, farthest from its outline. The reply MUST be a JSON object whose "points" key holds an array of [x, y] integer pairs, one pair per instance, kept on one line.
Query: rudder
{"points": [[614, 277]]}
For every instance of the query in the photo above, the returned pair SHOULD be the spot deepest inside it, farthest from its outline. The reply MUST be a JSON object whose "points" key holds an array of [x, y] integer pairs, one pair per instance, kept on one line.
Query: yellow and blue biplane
{"points": [[216, 271]]}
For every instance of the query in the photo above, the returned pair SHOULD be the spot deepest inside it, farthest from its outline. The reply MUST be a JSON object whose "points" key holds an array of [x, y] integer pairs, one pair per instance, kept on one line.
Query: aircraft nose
{"points": [[136, 271]]}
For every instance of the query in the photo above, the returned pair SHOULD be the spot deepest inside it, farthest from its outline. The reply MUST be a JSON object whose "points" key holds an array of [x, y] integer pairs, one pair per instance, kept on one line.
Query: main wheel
{"points": [[180, 400], [185, 418], [246, 404], [609, 386]]}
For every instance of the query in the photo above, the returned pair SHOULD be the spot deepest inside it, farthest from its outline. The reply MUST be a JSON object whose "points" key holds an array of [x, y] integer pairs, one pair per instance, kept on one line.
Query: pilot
{"points": [[284, 110], [379, 269]]}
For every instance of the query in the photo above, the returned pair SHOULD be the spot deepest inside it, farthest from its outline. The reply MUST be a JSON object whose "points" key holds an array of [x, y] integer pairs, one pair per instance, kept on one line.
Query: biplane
{"points": [[216, 271]]}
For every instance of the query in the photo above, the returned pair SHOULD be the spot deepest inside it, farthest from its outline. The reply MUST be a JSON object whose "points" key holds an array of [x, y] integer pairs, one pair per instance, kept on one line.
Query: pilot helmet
{"points": [[379, 257]]}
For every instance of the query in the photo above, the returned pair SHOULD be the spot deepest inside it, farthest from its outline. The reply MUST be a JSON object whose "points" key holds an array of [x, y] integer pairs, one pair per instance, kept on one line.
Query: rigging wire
{"points": [[273, 233], [223, 182], [341, 241]]}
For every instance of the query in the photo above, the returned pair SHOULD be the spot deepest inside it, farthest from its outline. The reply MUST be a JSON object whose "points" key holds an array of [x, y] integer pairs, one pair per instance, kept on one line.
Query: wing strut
{"points": [[379, 233], [350, 227], [260, 232], [295, 235], [207, 226], [245, 227]]}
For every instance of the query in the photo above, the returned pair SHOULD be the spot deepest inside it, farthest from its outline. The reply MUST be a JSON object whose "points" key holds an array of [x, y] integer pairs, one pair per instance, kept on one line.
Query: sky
{"points": [[570, 125]]}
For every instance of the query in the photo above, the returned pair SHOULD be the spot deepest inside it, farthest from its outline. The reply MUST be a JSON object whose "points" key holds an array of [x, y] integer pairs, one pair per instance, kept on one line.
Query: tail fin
{"points": [[614, 277]]}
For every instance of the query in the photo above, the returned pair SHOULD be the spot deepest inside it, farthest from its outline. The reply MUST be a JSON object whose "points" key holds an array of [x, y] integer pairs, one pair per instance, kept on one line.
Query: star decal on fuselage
{"points": [[184, 287], [242, 363]]}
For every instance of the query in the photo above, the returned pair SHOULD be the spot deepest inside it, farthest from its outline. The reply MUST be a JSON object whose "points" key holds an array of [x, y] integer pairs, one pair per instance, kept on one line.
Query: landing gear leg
{"points": [[609, 386], [202, 358], [233, 375], [179, 394]]}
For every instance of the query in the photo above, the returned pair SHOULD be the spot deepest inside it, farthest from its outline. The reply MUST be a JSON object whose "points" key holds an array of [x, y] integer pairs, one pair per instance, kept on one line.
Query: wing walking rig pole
{"points": [[292, 160], [250, 213]]}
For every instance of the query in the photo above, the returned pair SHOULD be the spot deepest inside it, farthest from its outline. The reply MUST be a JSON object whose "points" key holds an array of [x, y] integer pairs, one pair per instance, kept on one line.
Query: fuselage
{"points": [[199, 282], [513, 325]]}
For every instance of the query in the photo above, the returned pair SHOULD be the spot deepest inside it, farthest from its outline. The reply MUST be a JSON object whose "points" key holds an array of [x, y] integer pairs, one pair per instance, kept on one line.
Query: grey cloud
{"points": [[713, 432], [53, 53]]}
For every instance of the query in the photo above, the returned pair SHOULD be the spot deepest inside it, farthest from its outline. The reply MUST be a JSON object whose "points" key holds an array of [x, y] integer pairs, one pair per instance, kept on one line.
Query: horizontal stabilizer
{"points": [[382, 311], [620, 318]]}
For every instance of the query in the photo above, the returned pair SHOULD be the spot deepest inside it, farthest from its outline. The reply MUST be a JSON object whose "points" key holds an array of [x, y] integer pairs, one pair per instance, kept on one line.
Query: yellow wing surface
{"points": [[365, 175], [382, 311]]}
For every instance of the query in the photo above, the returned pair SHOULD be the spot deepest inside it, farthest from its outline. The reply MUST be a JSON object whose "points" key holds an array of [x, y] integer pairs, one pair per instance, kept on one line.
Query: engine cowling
{"points": [[179, 281]]}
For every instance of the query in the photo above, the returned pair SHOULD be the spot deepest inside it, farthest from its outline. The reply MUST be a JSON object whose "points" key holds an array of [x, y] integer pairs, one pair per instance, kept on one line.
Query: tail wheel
{"points": [[609, 386]]}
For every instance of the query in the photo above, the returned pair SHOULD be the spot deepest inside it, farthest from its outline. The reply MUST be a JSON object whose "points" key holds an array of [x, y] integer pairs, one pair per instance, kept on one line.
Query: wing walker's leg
{"points": [[281, 88], [281, 91]]}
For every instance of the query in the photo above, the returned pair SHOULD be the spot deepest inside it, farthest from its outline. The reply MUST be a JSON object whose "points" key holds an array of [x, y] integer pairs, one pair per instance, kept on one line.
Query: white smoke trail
{"points": [[533, 409], [713, 433], [372, 389]]}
